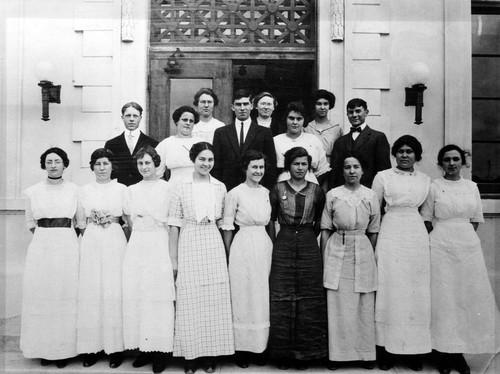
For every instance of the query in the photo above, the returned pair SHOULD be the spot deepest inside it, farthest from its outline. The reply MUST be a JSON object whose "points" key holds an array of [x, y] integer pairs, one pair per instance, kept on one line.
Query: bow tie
{"points": [[356, 129]]}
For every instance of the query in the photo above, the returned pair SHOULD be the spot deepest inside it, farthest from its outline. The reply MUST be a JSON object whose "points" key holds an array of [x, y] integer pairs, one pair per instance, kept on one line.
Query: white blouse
{"points": [[174, 153], [205, 130], [400, 188], [45, 200], [311, 143], [100, 196]]}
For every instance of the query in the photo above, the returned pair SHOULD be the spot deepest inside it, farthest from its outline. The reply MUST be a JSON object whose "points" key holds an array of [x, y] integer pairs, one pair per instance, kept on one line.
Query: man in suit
{"points": [[372, 144], [125, 145], [232, 141]]}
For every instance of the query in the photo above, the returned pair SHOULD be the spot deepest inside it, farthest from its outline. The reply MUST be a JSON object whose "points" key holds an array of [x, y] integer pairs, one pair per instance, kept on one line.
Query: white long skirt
{"points": [[463, 305], [148, 292], [50, 287], [100, 314], [249, 267], [403, 300], [351, 316]]}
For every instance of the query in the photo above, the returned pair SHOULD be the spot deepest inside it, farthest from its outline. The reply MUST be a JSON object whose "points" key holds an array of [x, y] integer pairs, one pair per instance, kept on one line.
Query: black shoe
{"points": [[460, 364], [443, 362], [115, 360], [189, 366], [89, 359], [241, 359], [62, 363], [259, 359], [414, 362], [385, 359], [209, 365], [368, 365], [142, 360], [301, 364], [160, 361], [332, 365], [282, 364], [45, 362]]}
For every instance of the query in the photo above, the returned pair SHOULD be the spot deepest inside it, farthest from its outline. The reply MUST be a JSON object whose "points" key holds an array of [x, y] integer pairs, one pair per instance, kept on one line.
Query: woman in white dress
{"points": [[250, 255], [203, 320], [463, 305], [50, 283], [100, 207], [402, 305], [148, 278], [174, 150], [296, 119], [349, 230]]}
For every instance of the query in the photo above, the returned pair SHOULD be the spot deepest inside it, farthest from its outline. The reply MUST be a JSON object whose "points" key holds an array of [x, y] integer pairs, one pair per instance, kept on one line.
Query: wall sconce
{"points": [[173, 65], [418, 75], [50, 93]]}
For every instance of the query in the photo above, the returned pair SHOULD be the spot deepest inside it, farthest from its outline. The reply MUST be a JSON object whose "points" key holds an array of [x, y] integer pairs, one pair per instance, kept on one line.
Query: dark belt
{"points": [[54, 222], [307, 226]]}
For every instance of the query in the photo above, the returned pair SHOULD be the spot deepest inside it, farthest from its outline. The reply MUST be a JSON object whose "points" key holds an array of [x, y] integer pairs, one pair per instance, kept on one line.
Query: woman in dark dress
{"points": [[298, 304]]}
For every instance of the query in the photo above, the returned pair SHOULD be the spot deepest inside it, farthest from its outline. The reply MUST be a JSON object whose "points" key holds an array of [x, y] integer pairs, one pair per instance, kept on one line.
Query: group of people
{"points": [[224, 240]]}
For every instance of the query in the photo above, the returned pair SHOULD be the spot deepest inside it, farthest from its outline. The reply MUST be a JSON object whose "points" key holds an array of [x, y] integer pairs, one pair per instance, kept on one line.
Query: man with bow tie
{"points": [[125, 145], [372, 144]]}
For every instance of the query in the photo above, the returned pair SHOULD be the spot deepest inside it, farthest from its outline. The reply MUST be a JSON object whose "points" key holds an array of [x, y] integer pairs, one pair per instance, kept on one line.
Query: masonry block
{"points": [[96, 99], [371, 74], [93, 71], [97, 43], [92, 126]]}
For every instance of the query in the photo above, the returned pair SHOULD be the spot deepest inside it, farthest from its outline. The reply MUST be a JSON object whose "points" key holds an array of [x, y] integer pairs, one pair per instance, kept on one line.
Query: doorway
{"points": [[287, 80]]}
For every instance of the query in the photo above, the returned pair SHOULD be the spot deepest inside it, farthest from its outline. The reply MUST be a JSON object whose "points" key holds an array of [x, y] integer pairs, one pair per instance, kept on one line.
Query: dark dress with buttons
{"points": [[298, 303]]}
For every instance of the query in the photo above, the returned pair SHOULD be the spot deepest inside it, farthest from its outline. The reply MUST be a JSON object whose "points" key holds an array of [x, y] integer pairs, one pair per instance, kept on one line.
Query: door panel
{"points": [[171, 89]]}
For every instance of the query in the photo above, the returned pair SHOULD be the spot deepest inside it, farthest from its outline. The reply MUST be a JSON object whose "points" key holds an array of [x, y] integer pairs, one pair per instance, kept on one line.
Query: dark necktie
{"points": [[242, 136], [356, 129]]}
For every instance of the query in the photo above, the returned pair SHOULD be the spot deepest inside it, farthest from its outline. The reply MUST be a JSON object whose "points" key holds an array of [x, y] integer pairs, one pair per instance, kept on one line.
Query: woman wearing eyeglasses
{"points": [[462, 302]]}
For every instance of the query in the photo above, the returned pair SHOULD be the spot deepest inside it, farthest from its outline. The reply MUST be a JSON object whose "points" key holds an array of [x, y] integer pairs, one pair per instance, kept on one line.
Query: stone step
{"points": [[14, 362]]}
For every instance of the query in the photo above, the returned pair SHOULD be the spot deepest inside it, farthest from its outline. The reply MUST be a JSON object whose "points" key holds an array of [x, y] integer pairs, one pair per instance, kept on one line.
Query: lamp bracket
{"points": [[415, 94]]}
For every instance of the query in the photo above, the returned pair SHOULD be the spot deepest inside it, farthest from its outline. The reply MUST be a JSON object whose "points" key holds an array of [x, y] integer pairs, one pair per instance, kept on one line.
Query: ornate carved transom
{"points": [[251, 23]]}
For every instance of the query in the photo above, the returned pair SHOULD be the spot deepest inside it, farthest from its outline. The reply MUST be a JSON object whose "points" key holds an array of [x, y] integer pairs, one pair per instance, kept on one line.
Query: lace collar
{"points": [[352, 198]]}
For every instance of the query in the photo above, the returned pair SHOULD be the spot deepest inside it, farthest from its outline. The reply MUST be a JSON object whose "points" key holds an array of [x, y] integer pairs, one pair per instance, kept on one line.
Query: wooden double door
{"points": [[287, 80]]}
